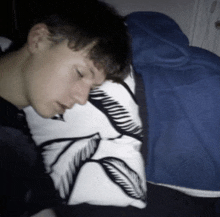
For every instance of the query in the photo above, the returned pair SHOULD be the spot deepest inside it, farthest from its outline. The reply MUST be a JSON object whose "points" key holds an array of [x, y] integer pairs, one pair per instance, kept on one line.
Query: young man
{"points": [[62, 51]]}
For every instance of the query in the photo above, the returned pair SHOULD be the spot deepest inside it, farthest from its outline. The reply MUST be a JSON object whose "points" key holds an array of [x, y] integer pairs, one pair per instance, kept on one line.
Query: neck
{"points": [[11, 79]]}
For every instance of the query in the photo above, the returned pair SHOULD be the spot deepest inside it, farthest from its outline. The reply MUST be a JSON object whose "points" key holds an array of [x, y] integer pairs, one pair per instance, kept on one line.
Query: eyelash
{"points": [[79, 73]]}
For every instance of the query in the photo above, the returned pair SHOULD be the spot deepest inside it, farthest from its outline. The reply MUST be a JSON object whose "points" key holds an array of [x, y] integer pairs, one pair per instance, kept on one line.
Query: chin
{"points": [[45, 111], [46, 115]]}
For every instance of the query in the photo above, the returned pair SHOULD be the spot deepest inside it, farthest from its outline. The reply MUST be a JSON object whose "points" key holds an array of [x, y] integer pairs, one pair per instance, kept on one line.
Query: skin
{"points": [[49, 77], [45, 213]]}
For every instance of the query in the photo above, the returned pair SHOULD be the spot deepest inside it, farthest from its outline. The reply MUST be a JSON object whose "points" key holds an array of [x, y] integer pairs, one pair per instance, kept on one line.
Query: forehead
{"points": [[98, 74]]}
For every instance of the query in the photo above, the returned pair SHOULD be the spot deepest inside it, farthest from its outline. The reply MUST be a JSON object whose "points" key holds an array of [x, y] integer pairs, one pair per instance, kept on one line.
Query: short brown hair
{"points": [[82, 22]]}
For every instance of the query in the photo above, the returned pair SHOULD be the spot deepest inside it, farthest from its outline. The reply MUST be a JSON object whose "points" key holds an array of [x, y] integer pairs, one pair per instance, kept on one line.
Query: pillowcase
{"points": [[93, 155], [4, 43]]}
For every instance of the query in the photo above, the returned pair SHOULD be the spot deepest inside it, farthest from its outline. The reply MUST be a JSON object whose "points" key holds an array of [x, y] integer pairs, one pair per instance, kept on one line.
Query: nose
{"points": [[82, 94]]}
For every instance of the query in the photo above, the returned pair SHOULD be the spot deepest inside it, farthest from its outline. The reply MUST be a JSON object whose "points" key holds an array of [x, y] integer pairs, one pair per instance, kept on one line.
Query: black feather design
{"points": [[75, 153], [119, 117], [126, 178]]}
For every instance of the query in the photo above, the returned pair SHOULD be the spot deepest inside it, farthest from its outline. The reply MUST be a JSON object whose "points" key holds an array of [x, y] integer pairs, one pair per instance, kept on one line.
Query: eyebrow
{"points": [[93, 76], [97, 85]]}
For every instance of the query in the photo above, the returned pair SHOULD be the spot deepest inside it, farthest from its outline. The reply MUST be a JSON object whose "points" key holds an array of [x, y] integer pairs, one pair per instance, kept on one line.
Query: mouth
{"points": [[64, 107], [61, 108]]}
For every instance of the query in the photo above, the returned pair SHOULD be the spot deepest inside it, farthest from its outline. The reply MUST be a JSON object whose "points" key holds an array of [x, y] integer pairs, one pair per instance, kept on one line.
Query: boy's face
{"points": [[57, 77]]}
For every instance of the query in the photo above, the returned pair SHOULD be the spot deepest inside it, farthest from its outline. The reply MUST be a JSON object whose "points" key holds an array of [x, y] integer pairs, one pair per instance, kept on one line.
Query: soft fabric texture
{"points": [[168, 202], [25, 188], [182, 88], [4, 43], [93, 156]]}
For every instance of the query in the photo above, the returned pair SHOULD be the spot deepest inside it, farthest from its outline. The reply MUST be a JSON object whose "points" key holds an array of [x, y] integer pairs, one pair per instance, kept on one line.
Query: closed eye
{"points": [[79, 73]]}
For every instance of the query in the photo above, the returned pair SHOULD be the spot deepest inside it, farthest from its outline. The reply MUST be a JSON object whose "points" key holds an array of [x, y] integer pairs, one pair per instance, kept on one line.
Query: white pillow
{"points": [[94, 155], [4, 43]]}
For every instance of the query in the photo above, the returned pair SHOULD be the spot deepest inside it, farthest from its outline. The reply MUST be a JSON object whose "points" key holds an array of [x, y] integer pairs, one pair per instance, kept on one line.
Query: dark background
{"points": [[7, 18]]}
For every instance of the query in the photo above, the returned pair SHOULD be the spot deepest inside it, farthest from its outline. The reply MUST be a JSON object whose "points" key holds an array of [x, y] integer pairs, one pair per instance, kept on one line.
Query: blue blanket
{"points": [[182, 88]]}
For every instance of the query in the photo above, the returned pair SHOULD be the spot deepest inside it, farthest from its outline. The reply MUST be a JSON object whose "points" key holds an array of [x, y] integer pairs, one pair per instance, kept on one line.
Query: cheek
{"points": [[42, 88], [57, 86], [50, 80]]}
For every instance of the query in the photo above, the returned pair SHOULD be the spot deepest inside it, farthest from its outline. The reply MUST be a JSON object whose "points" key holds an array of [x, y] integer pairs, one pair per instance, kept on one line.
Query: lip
{"points": [[64, 107], [61, 108], [69, 106]]}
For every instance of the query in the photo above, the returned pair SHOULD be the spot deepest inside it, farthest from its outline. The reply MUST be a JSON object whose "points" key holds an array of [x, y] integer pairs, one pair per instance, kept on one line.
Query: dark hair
{"points": [[82, 22]]}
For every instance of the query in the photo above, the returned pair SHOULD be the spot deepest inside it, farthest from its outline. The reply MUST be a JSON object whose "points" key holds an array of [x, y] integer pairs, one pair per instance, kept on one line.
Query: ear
{"points": [[37, 37]]}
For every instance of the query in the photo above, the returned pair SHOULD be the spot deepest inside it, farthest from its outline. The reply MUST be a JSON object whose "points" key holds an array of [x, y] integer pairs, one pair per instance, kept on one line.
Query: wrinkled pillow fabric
{"points": [[93, 154], [4, 44]]}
